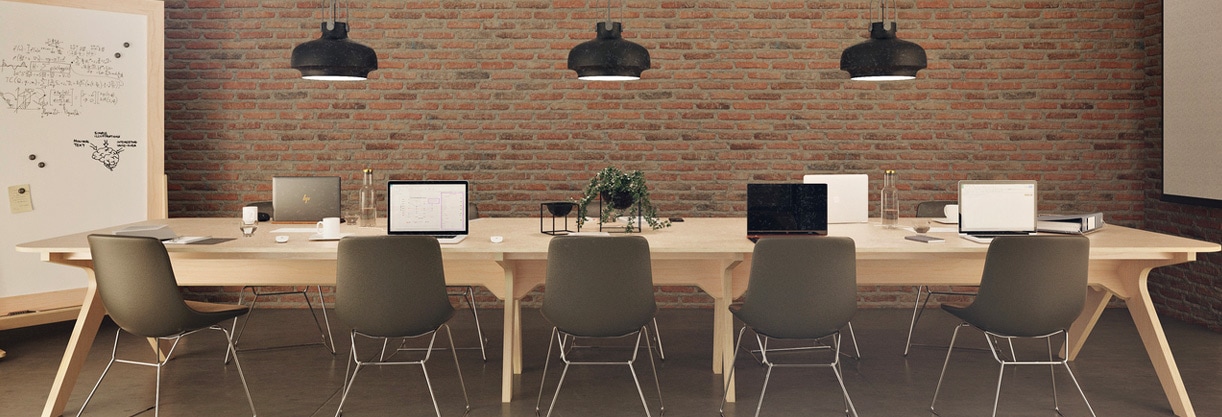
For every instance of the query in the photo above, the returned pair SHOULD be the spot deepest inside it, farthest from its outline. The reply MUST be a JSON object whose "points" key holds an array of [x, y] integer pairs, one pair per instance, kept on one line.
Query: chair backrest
{"points": [[1031, 285], [933, 208], [801, 287], [599, 286], [136, 283], [391, 286]]}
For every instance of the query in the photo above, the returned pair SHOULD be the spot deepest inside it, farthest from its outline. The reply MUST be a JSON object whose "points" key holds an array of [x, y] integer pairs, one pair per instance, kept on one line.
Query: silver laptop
{"points": [[847, 196], [996, 208], [304, 199], [432, 208]]}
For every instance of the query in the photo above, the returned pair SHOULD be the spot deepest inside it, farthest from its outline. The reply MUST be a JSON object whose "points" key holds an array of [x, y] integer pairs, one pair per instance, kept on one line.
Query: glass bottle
{"points": [[890, 200], [369, 202]]}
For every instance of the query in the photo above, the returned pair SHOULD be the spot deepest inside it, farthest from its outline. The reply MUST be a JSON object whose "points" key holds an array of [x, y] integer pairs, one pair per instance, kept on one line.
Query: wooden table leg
{"points": [[723, 331], [87, 323], [1141, 307], [507, 350], [1096, 302]]}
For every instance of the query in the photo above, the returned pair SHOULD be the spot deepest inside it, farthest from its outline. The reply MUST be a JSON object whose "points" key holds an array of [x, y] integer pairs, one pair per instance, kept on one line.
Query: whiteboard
{"points": [[81, 108], [1192, 134]]}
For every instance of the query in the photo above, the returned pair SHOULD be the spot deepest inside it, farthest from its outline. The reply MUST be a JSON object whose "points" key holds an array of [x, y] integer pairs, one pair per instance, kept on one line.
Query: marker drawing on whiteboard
{"points": [[58, 78], [107, 155]]}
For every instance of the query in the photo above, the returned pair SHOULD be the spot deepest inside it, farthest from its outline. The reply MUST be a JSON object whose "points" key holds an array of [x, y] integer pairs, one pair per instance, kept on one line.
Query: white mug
{"points": [[250, 214], [951, 211], [328, 228]]}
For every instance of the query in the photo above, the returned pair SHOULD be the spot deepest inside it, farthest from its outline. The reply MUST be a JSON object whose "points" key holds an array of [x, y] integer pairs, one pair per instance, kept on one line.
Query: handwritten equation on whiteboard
{"points": [[58, 78]]}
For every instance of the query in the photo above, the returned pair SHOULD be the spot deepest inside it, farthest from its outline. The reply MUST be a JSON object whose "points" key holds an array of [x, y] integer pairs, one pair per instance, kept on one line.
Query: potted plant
{"points": [[622, 193]]}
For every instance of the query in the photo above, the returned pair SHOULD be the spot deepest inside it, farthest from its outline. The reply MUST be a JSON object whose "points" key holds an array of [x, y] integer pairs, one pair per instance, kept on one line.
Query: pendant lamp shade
{"points": [[609, 57], [883, 57], [334, 57]]}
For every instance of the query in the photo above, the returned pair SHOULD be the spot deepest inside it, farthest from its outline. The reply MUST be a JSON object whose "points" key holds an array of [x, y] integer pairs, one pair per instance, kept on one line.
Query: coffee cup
{"points": [[328, 228], [951, 211]]}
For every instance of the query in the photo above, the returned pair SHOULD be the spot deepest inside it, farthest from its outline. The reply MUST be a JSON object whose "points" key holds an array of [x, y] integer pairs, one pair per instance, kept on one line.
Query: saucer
{"points": [[947, 221]]}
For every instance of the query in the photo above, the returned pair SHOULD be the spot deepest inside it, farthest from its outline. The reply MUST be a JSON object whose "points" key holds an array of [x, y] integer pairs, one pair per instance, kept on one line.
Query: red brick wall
{"points": [[1191, 292], [740, 91]]}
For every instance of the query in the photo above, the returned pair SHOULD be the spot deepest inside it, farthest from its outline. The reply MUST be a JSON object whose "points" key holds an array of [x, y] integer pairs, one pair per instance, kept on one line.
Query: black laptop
{"points": [[786, 210], [432, 208]]}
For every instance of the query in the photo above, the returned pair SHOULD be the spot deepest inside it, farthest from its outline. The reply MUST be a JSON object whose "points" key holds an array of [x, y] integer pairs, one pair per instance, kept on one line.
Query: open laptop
{"points": [[432, 208], [786, 210], [304, 199], [996, 208], [847, 196]]}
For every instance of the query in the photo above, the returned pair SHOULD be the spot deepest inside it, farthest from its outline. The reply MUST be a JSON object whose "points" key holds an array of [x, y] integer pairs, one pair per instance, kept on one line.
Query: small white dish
{"points": [[497, 239], [319, 236], [282, 239], [947, 221]]}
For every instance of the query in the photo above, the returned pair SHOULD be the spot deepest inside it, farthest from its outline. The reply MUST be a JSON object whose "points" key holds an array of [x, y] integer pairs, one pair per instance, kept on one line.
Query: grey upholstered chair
{"points": [[136, 283], [1032, 287], [927, 209], [266, 212], [393, 287], [801, 288], [598, 287]]}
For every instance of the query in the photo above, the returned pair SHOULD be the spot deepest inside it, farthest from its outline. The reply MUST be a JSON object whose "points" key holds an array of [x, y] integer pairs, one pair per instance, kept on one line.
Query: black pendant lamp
{"points": [[883, 57], [609, 57], [334, 57]]}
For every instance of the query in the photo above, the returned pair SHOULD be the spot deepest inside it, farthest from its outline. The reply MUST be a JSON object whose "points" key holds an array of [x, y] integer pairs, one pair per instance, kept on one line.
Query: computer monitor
{"points": [[994, 208], [432, 208], [786, 209], [848, 196]]}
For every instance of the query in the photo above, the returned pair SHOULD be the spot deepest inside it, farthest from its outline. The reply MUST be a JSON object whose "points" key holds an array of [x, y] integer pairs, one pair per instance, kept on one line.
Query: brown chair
{"points": [[393, 287], [801, 288], [598, 287], [136, 283], [1031, 287]]}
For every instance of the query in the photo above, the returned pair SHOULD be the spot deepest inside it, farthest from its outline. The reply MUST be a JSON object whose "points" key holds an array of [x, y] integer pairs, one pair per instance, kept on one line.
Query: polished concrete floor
{"points": [[305, 381]]}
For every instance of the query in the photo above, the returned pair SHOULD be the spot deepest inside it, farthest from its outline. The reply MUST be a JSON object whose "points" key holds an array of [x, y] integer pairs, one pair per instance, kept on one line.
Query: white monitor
{"points": [[997, 207], [848, 196]]}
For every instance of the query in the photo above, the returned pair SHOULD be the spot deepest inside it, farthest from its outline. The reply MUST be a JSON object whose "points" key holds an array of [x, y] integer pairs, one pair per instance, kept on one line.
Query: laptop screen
{"points": [[304, 199], [434, 208], [847, 196], [786, 209], [997, 207]]}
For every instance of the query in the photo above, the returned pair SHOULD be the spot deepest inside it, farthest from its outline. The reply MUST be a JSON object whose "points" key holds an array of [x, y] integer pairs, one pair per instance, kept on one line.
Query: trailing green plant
{"points": [[622, 193]]}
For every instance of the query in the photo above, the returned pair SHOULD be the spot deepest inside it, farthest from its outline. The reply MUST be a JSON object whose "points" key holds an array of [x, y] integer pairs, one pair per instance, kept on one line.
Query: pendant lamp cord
{"points": [[331, 19], [883, 15], [621, 12]]}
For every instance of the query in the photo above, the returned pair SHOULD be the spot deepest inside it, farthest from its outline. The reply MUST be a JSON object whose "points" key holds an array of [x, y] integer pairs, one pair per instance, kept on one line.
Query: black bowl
{"points": [[560, 208]]}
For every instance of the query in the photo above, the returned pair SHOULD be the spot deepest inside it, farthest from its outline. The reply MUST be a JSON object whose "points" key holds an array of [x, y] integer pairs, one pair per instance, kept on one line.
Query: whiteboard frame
{"points": [[60, 305]]}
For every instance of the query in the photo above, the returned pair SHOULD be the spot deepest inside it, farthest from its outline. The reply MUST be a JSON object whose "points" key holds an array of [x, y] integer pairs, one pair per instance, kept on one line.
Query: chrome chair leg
{"points": [[479, 330], [324, 327], [565, 342], [917, 309], [161, 362], [349, 380], [658, 336], [942, 375]]}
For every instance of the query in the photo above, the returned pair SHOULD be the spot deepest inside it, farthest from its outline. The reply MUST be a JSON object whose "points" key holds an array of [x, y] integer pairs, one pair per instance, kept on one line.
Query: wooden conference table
{"points": [[710, 253]]}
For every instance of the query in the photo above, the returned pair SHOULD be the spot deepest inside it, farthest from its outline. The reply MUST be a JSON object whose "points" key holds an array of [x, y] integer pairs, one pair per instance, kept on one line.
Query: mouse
{"points": [[497, 239], [282, 239]]}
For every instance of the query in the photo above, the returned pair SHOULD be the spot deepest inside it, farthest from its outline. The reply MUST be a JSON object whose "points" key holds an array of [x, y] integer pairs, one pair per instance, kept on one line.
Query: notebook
{"points": [[786, 210], [304, 199], [996, 208], [847, 196], [432, 208]]}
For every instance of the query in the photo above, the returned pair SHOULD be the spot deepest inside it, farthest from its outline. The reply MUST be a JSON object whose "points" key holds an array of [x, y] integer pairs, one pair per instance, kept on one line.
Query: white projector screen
{"points": [[1192, 102]]}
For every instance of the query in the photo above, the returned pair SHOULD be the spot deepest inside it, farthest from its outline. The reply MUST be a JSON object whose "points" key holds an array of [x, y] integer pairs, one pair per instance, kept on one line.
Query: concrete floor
{"points": [[305, 381]]}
